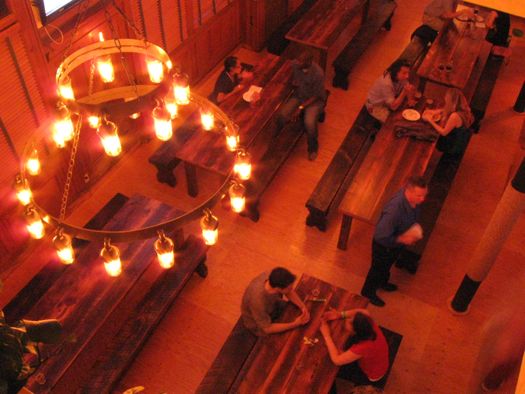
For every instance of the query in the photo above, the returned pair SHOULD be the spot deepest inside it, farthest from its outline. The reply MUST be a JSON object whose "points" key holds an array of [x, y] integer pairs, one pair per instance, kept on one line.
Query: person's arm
{"points": [[332, 314], [223, 96], [396, 103], [275, 328], [338, 358], [453, 121], [296, 300]]}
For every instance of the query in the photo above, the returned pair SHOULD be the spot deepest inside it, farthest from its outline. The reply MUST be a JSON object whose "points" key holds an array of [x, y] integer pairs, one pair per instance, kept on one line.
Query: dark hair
{"points": [[280, 277], [395, 67], [230, 62], [305, 59], [417, 181], [363, 327]]}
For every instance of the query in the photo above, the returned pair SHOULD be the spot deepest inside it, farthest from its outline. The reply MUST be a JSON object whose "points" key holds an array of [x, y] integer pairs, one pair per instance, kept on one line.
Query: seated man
{"points": [[389, 90], [229, 81], [262, 303], [309, 97], [437, 12]]}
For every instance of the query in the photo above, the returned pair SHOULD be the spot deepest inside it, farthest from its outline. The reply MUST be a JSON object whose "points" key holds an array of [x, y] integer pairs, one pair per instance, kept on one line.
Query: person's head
{"points": [[416, 190], [455, 101], [281, 279], [305, 60], [399, 70], [362, 327], [232, 65]]}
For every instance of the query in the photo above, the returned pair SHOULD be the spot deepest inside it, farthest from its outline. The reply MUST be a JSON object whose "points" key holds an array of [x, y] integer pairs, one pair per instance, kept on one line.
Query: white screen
{"points": [[51, 6]]}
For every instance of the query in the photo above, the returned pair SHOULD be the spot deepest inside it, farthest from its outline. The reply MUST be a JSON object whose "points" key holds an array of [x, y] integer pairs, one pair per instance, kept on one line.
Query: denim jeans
{"points": [[310, 117]]}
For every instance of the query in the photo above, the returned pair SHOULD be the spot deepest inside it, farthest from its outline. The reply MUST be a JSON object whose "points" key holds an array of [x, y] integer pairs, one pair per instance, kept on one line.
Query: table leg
{"points": [[520, 101], [346, 225], [191, 179]]}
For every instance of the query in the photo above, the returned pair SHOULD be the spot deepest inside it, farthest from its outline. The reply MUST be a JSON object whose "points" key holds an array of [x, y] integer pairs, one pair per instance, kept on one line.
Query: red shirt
{"points": [[374, 355]]}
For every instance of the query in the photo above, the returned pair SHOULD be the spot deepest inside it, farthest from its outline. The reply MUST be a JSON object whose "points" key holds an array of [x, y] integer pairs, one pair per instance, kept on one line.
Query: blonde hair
{"points": [[455, 101]]}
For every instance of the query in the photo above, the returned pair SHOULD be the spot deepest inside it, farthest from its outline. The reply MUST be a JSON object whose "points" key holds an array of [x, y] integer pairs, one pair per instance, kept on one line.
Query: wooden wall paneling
{"points": [[276, 13], [293, 5], [173, 23], [254, 24]]}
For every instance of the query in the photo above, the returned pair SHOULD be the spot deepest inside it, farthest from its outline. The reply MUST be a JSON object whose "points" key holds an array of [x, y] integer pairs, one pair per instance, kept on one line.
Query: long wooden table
{"points": [[457, 46], [386, 168], [204, 149], [322, 25], [84, 296], [283, 363]]}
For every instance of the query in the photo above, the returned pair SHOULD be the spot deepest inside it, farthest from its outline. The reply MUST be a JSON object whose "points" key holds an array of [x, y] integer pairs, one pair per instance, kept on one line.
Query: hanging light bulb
{"points": [[64, 130], [242, 166], [108, 134], [162, 123], [164, 248], [232, 142], [155, 70], [181, 89], [23, 192], [207, 120], [237, 197], [64, 247], [210, 228], [65, 89], [33, 163], [134, 115], [105, 69], [111, 256], [35, 226], [171, 105], [94, 121]]}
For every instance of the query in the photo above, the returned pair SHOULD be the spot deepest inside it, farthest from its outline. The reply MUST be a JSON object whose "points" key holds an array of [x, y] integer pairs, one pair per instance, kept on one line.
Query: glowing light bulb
{"points": [[33, 163], [155, 70], [111, 256], [94, 121], [171, 106], [181, 89], [105, 69], [65, 89], [243, 166], [63, 245], [165, 251], [35, 226], [232, 142], [64, 130], [237, 197], [23, 192], [207, 120], [210, 228], [108, 134], [162, 123]]}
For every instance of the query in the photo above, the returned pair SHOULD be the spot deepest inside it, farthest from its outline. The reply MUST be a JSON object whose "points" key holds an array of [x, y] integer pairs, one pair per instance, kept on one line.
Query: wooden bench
{"points": [[380, 15], [229, 362], [335, 181], [126, 344], [90, 304], [277, 42]]}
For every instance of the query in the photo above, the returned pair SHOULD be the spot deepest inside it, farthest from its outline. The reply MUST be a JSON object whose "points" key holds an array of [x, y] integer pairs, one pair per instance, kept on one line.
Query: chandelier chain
{"points": [[128, 21], [70, 168], [92, 69], [81, 13]]}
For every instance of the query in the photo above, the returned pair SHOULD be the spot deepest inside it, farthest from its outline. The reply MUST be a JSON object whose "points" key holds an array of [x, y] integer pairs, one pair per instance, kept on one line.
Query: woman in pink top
{"points": [[365, 359]]}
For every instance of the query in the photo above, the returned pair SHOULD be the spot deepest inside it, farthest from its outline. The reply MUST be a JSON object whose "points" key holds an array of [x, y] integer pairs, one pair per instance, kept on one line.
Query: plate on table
{"points": [[477, 18], [411, 114]]}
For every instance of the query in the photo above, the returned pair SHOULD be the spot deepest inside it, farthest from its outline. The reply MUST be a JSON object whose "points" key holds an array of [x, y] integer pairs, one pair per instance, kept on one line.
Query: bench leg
{"points": [[346, 225], [165, 172], [252, 211], [388, 24], [340, 79], [202, 268], [191, 179], [316, 219]]}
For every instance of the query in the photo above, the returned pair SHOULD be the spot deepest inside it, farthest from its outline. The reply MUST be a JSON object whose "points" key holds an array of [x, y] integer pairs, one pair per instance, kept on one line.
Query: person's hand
{"points": [[332, 314], [296, 114], [238, 88], [302, 319], [325, 329], [407, 239], [468, 12], [427, 116], [409, 88]]}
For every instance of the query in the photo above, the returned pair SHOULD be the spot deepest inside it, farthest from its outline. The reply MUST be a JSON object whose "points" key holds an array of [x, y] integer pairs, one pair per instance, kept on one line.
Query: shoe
{"points": [[389, 287], [312, 156], [410, 267], [375, 300]]}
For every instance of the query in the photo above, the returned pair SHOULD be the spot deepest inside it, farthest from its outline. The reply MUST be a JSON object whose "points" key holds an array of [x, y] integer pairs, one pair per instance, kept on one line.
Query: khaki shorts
{"points": [[380, 112]]}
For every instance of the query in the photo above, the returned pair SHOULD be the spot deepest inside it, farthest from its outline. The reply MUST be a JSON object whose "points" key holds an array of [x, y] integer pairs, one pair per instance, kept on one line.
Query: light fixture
{"points": [[155, 70], [165, 250], [207, 120], [232, 142], [237, 197], [171, 105], [64, 247], [35, 226], [111, 256], [181, 89], [105, 69], [63, 126], [242, 166], [65, 90], [108, 134], [162, 123], [210, 228], [23, 192]]}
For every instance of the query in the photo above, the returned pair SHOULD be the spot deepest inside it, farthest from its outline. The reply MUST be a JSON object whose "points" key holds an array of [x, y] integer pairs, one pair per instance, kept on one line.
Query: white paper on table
{"points": [[248, 95]]}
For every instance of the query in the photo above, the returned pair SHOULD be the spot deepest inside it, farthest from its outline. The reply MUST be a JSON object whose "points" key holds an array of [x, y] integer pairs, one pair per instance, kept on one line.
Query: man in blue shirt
{"points": [[397, 227]]}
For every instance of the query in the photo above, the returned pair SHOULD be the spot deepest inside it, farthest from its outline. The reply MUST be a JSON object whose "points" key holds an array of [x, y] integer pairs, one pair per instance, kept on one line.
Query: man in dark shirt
{"points": [[228, 82], [309, 97], [396, 228]]}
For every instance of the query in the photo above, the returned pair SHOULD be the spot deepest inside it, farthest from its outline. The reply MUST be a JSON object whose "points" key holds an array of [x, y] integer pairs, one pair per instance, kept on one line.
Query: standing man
{"points": [[308, 98], [438, 12], [397, 227], [262, 303]]}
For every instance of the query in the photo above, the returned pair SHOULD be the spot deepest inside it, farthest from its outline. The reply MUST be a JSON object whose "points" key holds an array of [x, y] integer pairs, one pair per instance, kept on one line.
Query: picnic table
{"points": [[198, 148], [286, 362], [322, 25], [385, 170]]}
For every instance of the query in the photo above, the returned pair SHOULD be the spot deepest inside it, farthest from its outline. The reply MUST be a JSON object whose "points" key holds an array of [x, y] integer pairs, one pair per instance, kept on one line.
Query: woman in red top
{"points": [[366, 358]]}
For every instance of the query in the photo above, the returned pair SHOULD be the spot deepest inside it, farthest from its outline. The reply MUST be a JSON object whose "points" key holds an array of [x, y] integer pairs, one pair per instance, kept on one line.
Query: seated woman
{"points": [[390, 90], [452, 122], [366, 358]]}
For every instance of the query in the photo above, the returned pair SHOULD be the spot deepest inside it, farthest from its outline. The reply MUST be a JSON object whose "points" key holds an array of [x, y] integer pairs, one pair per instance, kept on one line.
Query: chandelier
{"points": [[159, 94]]}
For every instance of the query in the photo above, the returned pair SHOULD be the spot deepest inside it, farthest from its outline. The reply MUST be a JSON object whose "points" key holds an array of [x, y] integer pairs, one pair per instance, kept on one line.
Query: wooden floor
{"points": [[439, 351]]}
